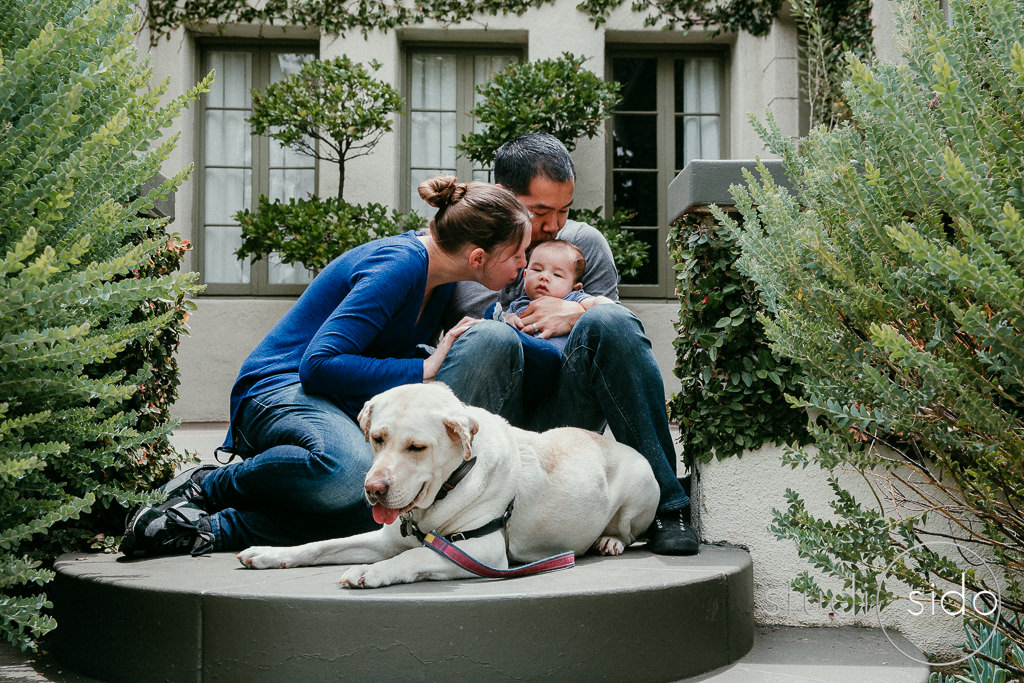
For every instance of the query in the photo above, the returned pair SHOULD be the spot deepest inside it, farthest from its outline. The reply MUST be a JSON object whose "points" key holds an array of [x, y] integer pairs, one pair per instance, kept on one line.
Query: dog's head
{"points": [[419, 434]]}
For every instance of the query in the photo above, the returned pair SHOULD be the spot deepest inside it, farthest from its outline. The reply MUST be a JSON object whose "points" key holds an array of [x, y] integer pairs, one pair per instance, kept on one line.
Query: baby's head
{"points": [[555, 268]]}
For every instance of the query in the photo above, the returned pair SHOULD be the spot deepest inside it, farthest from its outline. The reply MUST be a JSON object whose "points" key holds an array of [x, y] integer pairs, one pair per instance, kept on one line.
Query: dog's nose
{"points": [[377, 487]]}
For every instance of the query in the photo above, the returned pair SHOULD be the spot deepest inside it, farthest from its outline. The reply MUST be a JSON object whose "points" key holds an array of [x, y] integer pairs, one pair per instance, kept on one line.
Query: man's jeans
{"points": [[608, 377], [301, 478]]}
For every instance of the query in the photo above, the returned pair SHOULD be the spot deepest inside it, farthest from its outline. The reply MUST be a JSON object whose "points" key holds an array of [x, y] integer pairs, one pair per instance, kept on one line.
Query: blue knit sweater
{"points": [[354, 332]]}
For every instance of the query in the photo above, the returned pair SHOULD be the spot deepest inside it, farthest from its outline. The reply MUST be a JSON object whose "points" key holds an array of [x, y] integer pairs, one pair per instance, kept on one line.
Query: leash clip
{"points": [[409, 527]]}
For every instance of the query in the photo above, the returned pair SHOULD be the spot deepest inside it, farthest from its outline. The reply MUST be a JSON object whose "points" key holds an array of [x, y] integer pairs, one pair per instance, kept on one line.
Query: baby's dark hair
{"points": [[579, 261], [481, 214]]}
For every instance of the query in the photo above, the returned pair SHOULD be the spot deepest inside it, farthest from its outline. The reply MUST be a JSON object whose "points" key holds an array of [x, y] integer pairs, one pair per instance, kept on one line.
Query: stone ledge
{"points": [[703, 182], [638, 617]]}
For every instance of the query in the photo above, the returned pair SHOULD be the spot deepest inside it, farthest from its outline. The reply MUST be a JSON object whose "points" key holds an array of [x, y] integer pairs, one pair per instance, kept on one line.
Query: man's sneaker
{"points": [[671, 535], [168, 529], [188, 486]]}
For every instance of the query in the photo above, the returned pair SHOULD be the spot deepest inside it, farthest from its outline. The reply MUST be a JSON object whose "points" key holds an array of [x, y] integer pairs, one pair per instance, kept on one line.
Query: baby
{"points": [[554, 269]]}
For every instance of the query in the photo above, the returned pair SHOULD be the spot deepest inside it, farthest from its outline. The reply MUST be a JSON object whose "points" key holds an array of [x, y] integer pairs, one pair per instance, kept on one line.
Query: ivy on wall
{"points": [[164, 16]]}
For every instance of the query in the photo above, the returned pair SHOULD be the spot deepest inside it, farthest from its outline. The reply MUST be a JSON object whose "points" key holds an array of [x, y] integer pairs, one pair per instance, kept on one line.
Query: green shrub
{"points": [[88, 308], [731, 397], [314, 231], [628, 252], [559, 97], [556, 96], [896, 284]]}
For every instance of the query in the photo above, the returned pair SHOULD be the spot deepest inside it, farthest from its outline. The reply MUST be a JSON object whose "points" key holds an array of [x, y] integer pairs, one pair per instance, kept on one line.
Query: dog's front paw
{"points": [[365, 576], [609, 545], [265, 557]]}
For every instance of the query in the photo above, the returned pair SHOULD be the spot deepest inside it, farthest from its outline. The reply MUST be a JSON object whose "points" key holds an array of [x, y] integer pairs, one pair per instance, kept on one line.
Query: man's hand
{"points": [[548, 316]]}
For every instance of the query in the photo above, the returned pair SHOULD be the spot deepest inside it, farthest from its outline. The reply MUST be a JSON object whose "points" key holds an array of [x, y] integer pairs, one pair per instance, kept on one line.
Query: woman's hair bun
{"points": [[442, 191]]}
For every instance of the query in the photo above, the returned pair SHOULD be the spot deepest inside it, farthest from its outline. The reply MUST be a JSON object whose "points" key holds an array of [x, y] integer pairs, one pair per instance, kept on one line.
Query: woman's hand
{"points": [[432, 364]]}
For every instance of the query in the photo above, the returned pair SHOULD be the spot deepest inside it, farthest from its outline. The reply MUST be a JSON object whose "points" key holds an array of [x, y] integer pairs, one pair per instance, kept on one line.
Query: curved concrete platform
{"points": [[638, 617]]}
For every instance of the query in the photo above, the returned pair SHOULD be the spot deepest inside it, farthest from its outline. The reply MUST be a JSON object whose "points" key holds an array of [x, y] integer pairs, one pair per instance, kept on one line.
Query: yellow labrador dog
{"points": [[446, 467]]}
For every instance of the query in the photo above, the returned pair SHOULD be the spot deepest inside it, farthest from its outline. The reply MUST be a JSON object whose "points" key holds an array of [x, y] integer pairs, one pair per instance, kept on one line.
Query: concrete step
{"points": [[638, 617], [843, 654]]}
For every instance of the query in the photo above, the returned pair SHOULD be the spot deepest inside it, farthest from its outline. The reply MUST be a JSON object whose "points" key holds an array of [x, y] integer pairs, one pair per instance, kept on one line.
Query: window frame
{"points": [[259, 271], [666, 118], [465, 53]]}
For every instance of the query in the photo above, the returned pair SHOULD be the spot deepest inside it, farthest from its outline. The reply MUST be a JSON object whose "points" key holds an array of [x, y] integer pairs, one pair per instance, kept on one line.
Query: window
{"points": [[440, 93], [235, 168], [670, 113]]}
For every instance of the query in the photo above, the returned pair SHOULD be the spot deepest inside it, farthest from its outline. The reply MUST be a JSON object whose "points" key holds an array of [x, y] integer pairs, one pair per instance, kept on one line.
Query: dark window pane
{"points": [[635, 141], [637, 192], [647, 274], [638, 76]]}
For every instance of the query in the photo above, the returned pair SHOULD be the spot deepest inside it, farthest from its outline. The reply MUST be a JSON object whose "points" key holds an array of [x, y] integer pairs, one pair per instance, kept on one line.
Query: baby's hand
{"points": [[514, 320]]}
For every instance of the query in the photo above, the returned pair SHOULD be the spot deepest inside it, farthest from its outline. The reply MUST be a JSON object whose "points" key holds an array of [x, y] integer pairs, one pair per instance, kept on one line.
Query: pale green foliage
{"points": [[895, 280], [80, 132]]}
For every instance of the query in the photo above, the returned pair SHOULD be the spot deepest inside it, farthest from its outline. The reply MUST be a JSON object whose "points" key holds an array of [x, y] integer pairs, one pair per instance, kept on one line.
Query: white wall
{"points": [[734, 503]]}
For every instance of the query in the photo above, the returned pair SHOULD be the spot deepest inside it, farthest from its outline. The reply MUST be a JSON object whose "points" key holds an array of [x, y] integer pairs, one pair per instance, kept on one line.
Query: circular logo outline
{"points": [[930, 547]]}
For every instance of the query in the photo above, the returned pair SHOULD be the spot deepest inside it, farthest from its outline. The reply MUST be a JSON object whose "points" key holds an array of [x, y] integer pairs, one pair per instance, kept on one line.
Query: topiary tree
{"points": [[894, 279], [84, 291], [556, 96], [333, 111]]}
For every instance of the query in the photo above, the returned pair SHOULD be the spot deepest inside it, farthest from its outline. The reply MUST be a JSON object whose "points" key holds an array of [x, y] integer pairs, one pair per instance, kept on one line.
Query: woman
{"points": [[356, 331]]}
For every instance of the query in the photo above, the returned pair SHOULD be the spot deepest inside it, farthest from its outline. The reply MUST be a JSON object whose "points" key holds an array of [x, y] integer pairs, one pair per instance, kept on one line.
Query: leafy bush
{"points": [[314, 231], [628, 252], [732, 386], [556, 96], [896, 284], [85, 297]]}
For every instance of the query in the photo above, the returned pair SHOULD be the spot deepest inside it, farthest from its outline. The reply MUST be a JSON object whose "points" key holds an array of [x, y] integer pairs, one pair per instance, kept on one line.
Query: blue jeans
{"points": [[609, 377], [301, 477]]}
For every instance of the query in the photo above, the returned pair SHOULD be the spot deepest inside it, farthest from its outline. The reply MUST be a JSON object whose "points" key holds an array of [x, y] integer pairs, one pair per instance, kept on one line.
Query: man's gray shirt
{"points": [[599, 278]]}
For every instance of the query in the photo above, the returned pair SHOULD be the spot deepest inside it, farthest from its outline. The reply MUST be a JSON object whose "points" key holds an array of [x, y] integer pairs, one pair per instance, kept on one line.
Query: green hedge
{"points": [[90, 306], [733, 387]]}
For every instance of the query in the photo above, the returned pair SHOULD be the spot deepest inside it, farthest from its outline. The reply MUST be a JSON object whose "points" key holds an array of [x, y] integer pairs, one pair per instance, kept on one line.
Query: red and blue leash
{"points": [[442, 546]]}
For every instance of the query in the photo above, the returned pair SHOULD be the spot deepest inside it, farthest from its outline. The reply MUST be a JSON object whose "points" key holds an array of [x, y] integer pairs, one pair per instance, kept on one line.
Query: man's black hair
{"points": [[523, 158]]}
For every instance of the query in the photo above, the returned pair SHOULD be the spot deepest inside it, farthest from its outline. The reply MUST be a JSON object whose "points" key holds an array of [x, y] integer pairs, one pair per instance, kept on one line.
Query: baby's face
{"points": [[549, 273]]}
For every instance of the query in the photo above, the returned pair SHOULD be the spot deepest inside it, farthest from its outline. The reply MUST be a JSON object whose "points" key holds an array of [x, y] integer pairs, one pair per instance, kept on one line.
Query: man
{"points": [[609, 375]]}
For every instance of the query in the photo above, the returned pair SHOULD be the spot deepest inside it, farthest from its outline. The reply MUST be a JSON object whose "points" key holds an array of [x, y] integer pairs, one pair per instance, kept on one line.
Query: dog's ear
{"points": [[364, 419], [462, 428]]}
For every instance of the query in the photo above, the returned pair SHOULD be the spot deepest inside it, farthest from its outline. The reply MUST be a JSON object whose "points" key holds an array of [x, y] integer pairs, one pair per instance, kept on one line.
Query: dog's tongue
{"points": [[384, 515]]}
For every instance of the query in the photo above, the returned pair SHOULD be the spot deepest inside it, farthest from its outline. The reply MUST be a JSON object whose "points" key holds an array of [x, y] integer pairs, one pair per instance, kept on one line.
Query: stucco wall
{"points": [[735, 499]]}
